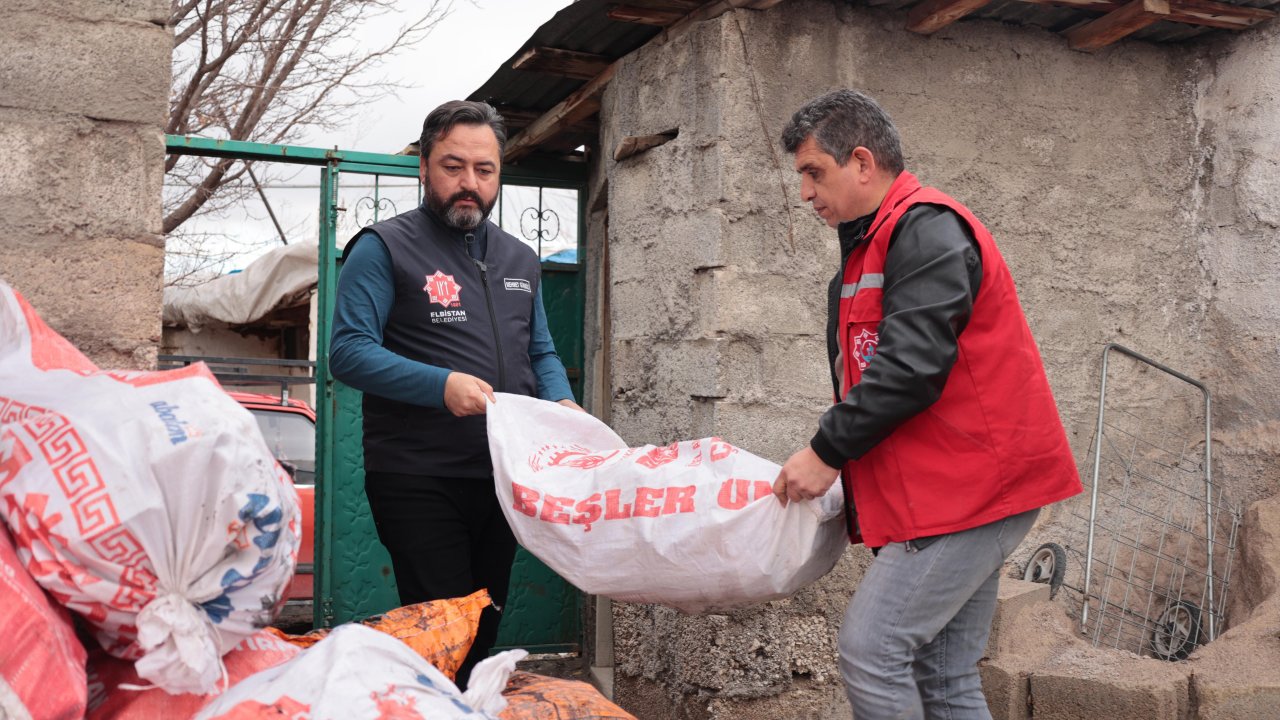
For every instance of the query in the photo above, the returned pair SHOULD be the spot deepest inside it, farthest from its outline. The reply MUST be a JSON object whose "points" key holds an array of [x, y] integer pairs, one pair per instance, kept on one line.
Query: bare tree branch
{"points": [[268, 71]]}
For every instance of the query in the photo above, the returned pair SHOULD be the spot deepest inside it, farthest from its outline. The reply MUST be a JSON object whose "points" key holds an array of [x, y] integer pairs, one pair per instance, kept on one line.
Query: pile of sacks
{"points": [[148, 506]]}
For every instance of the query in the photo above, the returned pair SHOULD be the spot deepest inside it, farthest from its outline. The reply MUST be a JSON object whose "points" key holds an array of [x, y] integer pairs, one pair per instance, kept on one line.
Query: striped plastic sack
{"points": [[115, 692], [358, 672], [693, 524], [147, 502], [41, 660]]}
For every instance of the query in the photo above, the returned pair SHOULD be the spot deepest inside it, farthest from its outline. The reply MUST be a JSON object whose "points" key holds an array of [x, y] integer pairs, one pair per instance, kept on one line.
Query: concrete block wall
{"points": [[1236, 205], [84, 90], [1085, 167]]}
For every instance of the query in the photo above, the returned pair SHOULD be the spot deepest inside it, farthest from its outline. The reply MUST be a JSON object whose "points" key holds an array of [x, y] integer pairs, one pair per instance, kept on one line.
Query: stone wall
{"points": [[84, 91], [1093, 171], [1236, 201]]}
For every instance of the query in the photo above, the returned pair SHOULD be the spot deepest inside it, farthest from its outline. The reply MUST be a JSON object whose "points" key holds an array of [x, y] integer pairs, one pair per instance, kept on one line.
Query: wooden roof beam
{"points": [[585, 101], [931, 16], [567, 63], [644, 16], [580, 105], [1118, 24], [1207, 13]]}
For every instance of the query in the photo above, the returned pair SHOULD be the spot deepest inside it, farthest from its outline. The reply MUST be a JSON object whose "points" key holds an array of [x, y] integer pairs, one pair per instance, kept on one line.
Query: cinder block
{"points": [[149, 11], [739, 302], [1095, 685], [68, 176], [1006, 688], [102, 70], [1013, 597], [103, 295], [1237, 676]]}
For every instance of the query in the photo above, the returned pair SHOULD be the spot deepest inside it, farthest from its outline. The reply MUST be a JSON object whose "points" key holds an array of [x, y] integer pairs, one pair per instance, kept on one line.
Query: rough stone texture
{"points": [[1012, 599], [66, 175], [1237, 677], [148, 11], [103, 70], [83, 96], [1236, 202], [1098, 684]]}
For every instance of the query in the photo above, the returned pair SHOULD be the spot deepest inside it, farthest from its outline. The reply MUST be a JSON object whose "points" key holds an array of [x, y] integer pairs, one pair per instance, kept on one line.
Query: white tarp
{"points": [[284, 277]]}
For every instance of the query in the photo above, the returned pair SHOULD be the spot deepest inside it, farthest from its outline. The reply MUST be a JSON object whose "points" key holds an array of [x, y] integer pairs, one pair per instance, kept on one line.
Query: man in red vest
{"points": [[944, 430]]}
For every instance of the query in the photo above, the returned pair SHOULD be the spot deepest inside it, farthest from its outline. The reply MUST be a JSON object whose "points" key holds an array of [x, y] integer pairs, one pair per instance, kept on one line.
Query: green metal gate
{"points": [[353, 572]]}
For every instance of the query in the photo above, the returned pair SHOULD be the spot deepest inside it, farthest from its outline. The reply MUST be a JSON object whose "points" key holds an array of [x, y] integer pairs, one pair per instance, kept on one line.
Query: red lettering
{"points": [[13, 457], [659, 456], [526, 499], [645, 501], [733, 494], [614, 511], [588, 512], [679, 500], [721, 449], [552, 507], [762, 489]]}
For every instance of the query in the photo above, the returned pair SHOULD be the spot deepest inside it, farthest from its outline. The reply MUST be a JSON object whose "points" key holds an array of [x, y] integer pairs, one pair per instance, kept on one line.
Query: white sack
{"points": [[693, 525], [147, 502], [359, 672]]}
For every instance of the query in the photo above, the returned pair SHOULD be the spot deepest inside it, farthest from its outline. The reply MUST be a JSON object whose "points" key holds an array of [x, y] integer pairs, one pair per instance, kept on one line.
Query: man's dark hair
{"points": [[460, 112], [841, 121]]}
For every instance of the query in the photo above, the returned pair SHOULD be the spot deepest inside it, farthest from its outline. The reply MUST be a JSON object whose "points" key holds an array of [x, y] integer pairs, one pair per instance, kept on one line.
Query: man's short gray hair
{"points": [[843, 120], [460, 112]]}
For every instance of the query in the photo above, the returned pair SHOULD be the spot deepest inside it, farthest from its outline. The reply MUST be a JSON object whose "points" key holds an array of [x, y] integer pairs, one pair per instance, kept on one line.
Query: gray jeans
{"points": [[918, 624]]}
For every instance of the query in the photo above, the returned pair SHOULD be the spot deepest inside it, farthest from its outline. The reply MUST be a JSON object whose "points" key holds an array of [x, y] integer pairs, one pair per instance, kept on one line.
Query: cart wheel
{"points": [[1048, 564], [1177, 632]]}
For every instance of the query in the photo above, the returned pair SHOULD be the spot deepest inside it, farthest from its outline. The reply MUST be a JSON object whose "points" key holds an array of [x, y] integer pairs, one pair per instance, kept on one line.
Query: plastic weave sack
{"points": [[538, 697], [147, 502], [440, 631], [693, 525], [41, 660], [114, 692], [358, 672]]}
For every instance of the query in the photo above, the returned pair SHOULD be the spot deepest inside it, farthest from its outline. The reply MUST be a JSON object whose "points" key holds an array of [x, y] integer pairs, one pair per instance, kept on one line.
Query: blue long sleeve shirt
{"points": [[366, 293]]}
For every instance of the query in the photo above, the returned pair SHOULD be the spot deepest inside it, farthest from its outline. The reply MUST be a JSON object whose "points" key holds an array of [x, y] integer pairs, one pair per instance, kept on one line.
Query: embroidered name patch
{"points": [[517, 284]]}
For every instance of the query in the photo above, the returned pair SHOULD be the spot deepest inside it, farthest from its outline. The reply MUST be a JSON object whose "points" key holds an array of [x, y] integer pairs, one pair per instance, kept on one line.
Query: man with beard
{"points": [[437, 308]]}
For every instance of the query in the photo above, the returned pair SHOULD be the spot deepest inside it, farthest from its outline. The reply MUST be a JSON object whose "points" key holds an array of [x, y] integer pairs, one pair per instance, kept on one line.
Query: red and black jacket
{"points": [[947, 421]]}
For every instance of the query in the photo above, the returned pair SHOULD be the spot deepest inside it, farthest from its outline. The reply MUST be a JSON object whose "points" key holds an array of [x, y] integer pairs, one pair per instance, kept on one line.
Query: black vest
{"points": [[454, 312]]}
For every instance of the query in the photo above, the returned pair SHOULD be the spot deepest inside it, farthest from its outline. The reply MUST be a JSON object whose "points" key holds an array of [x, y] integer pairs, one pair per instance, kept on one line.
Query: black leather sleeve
{"points": [[932, 274]]}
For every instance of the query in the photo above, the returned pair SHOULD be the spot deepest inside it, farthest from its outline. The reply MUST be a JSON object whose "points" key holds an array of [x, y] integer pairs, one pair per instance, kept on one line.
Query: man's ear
{"points": [[864, 159], [422, 170]]}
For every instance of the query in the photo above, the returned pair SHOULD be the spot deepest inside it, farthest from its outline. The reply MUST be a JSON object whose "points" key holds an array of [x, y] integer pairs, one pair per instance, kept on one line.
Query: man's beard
{"points": [[460, 217]]}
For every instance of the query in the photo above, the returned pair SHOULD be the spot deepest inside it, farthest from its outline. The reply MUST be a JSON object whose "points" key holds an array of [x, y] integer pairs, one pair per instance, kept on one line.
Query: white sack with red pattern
{"points": [[147, 502], [693, 525], [359, 672]]}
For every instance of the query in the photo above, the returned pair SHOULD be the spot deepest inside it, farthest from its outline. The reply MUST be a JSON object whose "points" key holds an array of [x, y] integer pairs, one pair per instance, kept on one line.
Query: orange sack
{"points": [[537, 697], [441, 631]]}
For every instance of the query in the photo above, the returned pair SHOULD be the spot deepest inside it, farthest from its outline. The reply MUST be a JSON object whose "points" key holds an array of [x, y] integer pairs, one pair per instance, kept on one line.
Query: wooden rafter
{"points": [[585, 101], [660, 17], [519, 118], [567, 63], [1208, 13], [1117, 24], [932, 15], [581, 104]]}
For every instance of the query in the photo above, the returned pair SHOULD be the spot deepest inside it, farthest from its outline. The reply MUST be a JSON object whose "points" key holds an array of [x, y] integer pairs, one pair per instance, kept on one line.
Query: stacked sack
{"points": [[146, 502]]}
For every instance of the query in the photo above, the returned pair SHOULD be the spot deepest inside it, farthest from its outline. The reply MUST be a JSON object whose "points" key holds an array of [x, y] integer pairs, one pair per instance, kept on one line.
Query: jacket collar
{"points": [[853, 232]]}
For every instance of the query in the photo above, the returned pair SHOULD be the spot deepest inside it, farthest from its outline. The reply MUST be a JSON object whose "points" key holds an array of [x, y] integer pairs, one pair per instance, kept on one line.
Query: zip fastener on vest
{"points": [[493, 317]]}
